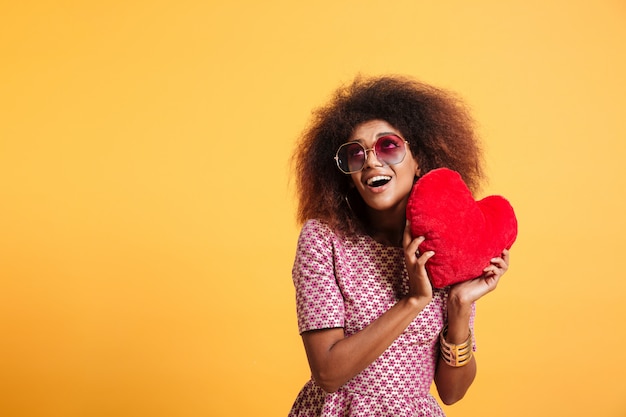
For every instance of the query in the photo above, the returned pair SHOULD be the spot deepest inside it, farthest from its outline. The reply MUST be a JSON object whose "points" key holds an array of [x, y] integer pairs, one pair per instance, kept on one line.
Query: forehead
{"points": [[372, 130]]}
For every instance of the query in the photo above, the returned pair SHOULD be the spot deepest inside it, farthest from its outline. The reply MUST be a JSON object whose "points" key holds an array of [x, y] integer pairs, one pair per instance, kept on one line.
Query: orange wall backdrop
{"points": [[147, 219]]}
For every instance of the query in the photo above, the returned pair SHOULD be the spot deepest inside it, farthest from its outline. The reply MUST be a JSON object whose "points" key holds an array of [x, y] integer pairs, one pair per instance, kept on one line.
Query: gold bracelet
{"points": [[455, 355]]}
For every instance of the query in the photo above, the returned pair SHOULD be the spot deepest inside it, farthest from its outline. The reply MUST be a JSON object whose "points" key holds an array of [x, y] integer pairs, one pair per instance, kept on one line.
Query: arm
{"points": [[335, 359], [452, 383]]}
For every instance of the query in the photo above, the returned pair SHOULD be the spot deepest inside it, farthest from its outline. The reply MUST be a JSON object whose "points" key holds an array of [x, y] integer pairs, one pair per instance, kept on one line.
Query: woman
{"points": [[375, 331]]}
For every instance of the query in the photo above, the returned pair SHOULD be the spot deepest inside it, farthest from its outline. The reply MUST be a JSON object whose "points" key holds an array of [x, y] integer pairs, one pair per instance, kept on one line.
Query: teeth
{"points": [[378, 178]]}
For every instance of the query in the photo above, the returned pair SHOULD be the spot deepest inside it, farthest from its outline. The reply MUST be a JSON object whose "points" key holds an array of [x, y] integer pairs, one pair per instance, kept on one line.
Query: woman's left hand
{"points": [[470, 291]]}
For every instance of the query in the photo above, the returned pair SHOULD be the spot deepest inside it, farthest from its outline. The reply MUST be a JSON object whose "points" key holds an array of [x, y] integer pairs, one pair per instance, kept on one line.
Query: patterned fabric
{"points": [[349, 282]]}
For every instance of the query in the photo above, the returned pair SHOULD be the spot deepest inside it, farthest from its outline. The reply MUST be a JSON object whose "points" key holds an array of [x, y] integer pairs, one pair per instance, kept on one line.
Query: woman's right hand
{"points": [[420, 286]]}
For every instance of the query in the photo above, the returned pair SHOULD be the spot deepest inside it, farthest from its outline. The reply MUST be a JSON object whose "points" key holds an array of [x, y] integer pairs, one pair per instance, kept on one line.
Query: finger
{"points": [[499, 262], [424, 257], [506, 255], [490, 269], [413, 246], [495, 269], [489, 275], [493, 280]]}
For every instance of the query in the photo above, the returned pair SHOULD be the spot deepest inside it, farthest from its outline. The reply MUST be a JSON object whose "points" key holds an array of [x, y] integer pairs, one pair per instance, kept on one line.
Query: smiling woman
{"points": [[384, 183], [372, 324]]}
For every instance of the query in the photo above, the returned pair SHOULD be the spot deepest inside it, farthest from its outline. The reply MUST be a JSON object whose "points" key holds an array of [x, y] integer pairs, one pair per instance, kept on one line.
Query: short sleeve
{"points": [[319, 301], [471, 325]]}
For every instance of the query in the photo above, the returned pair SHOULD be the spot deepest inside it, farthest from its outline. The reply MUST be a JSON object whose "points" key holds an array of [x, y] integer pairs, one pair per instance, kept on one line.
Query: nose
{"points": [[371, 159]]}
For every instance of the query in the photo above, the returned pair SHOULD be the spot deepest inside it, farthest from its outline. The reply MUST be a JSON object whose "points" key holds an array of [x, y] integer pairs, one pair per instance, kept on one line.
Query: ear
{"points": [[418, 172]]}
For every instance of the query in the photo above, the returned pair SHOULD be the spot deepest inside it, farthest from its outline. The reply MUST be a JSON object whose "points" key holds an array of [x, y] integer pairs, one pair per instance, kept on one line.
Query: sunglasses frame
{"points": [[366, 150]]}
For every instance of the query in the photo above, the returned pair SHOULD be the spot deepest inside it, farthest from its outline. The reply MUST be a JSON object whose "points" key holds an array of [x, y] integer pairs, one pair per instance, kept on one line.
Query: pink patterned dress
{"points": [[349, 282]]}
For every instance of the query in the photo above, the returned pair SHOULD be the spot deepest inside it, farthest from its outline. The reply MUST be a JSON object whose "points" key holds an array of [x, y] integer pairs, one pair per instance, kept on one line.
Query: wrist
{"points": [[458, 304], [415, 303], [458, 308], [457, 332], [459, 313], [453, 353]]}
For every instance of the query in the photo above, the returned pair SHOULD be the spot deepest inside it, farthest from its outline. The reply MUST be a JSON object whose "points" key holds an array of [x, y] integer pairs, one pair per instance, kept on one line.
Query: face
{"points": [[384, 188]]}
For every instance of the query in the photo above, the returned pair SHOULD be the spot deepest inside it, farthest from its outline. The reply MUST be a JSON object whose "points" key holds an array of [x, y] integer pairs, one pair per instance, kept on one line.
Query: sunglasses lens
{"points": [[351, 157], [390, 149]]}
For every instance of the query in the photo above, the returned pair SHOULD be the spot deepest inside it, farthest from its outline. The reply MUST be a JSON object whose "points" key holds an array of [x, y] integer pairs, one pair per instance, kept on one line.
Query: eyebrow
{"points": [[378, 136]]}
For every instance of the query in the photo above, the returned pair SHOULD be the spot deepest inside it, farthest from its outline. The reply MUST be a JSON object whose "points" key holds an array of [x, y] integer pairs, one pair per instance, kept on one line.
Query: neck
{"points": [[387, 227]]}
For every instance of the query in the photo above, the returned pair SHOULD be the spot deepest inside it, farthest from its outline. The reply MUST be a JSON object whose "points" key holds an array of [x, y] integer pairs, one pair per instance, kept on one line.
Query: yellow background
{"points": [[147, 218]]}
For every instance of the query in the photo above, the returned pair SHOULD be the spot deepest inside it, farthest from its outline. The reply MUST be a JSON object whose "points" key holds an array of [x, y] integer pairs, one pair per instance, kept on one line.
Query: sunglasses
{"points": [[389, 150]]}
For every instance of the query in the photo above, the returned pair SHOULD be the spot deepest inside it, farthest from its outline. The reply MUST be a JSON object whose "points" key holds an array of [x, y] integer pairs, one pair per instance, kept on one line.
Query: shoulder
{"points": [[319, 229], [318, 237], [316, 224], [316, 227], [316, 234]]}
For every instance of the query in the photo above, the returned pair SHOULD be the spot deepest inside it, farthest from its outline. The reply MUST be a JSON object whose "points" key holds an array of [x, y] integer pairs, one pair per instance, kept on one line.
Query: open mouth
{"points": [[378, 181]]}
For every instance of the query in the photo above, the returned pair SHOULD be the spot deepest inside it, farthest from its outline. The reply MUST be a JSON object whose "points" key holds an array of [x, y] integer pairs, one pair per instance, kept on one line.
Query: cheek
{"points": [[355, 179], [415, 167], [408, 181], [411, 168], [407, 178]]}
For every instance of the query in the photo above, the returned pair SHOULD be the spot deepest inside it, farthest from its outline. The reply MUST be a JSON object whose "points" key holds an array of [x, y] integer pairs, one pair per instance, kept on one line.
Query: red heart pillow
{"points": [[464, 234]]}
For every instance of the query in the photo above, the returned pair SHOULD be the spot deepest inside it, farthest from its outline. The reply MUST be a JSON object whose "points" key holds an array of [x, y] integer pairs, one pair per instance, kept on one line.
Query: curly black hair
{"points": [[435, 122]]}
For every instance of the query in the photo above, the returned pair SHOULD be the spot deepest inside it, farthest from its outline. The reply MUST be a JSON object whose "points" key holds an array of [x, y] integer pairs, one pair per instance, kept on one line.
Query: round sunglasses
{"points": [[389, 150]]}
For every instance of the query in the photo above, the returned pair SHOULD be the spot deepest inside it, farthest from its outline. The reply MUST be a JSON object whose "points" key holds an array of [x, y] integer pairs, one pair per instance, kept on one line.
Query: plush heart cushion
{"points": [[464, 234]]}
